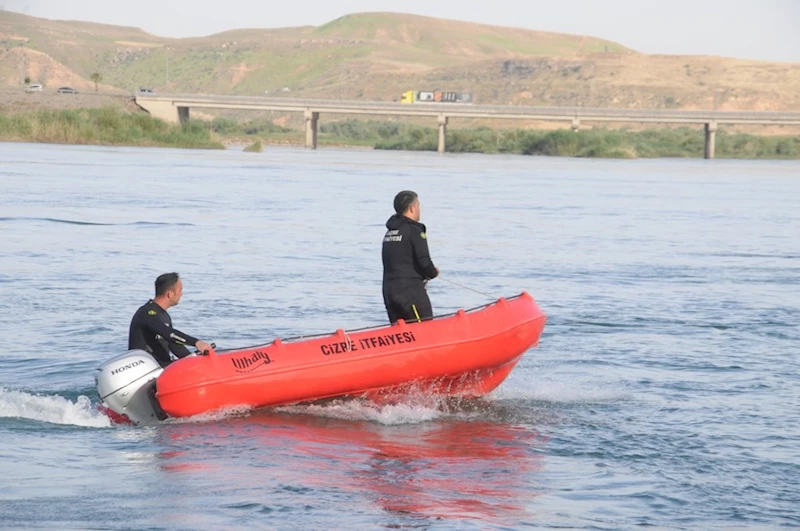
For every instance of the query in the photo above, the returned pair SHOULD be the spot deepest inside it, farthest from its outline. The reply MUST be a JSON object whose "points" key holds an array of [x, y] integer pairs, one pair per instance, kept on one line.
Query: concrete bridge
{"points": [[175, 108]]}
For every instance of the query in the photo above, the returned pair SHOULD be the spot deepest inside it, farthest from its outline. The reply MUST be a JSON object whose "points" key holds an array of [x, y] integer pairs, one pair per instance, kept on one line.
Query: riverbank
{"points": [[107, 126], [115, 126], [592, 143]]}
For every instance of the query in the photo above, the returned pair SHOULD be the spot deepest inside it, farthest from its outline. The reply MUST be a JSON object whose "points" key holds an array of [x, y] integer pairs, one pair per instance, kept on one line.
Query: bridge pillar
{"points": [[311, 128], [711, 133], [183, 114], [442, 132], [164, 110], [576, 124]]}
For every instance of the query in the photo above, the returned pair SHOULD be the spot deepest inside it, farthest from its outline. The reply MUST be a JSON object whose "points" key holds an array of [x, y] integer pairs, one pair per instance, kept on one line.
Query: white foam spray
{"points": [[51, 408]]}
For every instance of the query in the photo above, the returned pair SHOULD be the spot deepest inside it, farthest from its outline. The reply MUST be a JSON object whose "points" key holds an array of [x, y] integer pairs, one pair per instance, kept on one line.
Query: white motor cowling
{"points": [[126, 386]]}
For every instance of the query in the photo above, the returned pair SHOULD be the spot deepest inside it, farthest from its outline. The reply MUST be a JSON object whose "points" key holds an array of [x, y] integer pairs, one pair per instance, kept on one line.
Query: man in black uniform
{"points": [[151, 327], [407, 264]]}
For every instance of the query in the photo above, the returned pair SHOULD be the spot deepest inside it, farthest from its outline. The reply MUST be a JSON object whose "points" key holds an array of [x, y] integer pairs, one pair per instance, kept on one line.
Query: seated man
{"points": [[151, 327], [407, 264]]}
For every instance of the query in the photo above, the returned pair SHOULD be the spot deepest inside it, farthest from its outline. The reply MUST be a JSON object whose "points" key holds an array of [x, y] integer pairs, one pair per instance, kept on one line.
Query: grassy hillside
{"points": [[377, 56], [73, 44]]}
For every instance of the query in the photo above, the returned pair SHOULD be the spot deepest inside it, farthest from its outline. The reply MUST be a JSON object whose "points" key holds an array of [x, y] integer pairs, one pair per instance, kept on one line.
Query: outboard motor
{"points": [[126, 386]]}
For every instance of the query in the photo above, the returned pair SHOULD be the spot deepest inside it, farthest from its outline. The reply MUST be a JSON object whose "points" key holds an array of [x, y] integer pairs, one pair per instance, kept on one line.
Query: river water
{"points": [[664, 392]]}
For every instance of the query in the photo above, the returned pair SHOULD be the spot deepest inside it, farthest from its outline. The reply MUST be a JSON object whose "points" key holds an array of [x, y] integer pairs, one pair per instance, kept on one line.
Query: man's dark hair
{"points": [[166, 282], [403, 200]]}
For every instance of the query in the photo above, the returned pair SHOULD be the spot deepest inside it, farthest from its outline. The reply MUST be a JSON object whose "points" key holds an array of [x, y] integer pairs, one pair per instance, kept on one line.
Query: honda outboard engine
{"points": [[126, 386]]}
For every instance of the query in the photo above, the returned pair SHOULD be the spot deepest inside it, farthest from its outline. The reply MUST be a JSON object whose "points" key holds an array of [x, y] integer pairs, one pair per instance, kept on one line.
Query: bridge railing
{"points": [[586, 113]]}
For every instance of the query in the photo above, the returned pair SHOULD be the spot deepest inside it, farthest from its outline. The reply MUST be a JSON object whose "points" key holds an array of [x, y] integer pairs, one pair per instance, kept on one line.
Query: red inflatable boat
{"points": [[468, 353]]}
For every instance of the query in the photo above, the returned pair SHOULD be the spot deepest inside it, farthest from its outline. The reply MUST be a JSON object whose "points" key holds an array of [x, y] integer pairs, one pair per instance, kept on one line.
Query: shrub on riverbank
{"points": [[255, 147], [106, 126], [112, 126], [598, 143]]}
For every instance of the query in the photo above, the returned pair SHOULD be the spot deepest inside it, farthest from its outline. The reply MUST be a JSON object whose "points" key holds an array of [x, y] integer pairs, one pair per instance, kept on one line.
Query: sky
{"points": [[749, 29]]}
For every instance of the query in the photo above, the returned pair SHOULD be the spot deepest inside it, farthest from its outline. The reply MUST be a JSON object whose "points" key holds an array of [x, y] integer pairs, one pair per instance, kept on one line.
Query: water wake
{"points": [[386, 414], [51, 408], [91, 223]]}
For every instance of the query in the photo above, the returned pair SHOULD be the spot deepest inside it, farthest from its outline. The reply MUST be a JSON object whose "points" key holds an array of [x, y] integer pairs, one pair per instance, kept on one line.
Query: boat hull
{"points": [[465, 354]]}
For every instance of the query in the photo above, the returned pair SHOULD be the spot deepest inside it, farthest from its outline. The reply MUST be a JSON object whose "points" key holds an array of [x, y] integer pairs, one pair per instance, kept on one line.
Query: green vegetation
{"points": [[112, 126], [436, 35], [259, 128], [97, 77], [255, 147], [600, 143], [106, 126], [597, 143]]}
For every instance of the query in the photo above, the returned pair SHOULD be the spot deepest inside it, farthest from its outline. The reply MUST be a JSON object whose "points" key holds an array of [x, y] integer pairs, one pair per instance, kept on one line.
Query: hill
{"points": [[377, 56]]}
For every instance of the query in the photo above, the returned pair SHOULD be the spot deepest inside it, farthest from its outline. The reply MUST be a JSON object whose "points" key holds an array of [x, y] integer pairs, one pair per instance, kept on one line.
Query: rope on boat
{"points": [[467, 287]]}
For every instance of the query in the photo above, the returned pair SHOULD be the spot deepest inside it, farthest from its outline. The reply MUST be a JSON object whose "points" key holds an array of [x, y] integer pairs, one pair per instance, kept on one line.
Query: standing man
{"points": [[151, 327], [407, 264]]}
